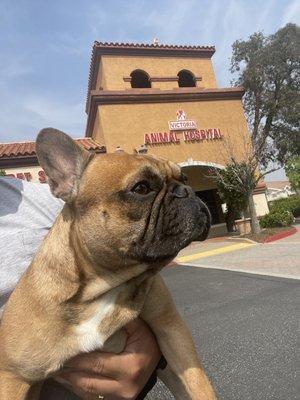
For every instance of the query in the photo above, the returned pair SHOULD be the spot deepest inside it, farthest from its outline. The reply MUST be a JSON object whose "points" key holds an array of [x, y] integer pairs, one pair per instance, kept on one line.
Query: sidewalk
{"points": [[280, 258]]}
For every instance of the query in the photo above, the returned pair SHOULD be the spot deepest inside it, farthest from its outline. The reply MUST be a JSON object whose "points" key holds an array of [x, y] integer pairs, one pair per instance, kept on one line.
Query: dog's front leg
{"points": [[184, 375]]}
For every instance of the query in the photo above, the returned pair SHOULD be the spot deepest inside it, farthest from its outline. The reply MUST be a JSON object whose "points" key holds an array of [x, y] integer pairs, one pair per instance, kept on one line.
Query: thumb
{"points": [[134, 327]]}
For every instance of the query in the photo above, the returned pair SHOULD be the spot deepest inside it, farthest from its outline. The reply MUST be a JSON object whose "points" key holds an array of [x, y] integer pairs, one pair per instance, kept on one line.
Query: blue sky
{"points": [[45, 48]]}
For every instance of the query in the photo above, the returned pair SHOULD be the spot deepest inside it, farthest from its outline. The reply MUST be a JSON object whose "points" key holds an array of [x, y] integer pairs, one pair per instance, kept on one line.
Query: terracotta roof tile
{"points": [[89, 144], [151, 45], [22, 149], [17, 149]]}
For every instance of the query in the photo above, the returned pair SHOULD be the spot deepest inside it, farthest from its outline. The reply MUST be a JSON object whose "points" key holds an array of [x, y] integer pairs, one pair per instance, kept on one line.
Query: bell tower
{"points": [[135, 89]]}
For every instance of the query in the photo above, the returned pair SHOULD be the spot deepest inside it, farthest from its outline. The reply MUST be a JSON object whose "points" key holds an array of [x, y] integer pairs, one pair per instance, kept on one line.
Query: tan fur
{"points": [[63, 284]]}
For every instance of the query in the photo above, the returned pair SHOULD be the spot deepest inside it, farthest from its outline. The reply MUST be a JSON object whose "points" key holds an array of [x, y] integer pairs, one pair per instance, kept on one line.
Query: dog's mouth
{"points": [[172, 226], [205, 223]]}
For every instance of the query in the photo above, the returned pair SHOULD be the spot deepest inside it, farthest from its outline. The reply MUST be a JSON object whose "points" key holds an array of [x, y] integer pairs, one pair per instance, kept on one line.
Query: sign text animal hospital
{"points": [[188, 128], [187, 136]]}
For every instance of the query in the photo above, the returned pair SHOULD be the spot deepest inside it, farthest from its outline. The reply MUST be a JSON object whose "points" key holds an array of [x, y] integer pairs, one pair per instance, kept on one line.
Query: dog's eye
{"points": [[142, 188]]}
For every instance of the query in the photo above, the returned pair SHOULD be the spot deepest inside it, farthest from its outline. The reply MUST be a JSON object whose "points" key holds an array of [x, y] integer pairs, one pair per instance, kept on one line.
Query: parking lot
{"points": [[245, 330], [244, 323]]}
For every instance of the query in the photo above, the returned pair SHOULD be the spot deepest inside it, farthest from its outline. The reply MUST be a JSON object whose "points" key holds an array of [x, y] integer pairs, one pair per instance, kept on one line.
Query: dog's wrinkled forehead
{"points": [[120, 170], [166, 169]]}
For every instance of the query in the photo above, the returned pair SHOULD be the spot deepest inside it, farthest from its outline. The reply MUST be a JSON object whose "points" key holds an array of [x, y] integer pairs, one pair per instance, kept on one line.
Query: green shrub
{"points": [[291, 204], [276, 219]]}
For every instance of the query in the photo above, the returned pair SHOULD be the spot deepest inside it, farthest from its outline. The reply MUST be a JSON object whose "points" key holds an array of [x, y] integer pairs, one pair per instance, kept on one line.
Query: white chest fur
{"points": [[88, 333]]}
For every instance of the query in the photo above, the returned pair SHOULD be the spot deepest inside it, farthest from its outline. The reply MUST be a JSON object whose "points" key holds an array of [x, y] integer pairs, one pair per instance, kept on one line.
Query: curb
{"points": [[243, 240], [281, 235]]}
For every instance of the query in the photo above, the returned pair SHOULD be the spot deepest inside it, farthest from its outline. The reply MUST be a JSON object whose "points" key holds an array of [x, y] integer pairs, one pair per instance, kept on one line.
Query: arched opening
{"points": [[140, 79], [186, 79], [200, 178]]}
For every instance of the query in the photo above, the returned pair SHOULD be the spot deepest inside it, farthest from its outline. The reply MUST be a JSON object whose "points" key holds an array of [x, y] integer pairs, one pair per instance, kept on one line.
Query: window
{"points": [[140, 79], [186, 79]]}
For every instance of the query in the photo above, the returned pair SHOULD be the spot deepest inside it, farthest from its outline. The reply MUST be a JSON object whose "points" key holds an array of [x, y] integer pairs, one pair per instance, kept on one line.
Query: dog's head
{"points": [[124, 208]]}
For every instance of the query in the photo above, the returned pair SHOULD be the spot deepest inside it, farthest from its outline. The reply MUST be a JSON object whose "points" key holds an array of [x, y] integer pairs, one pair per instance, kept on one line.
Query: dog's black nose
{"points": [[180, 191]]}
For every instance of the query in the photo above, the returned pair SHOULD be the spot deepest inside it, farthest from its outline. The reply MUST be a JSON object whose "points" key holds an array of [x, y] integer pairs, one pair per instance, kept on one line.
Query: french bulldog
{"points": [[125, 217]]}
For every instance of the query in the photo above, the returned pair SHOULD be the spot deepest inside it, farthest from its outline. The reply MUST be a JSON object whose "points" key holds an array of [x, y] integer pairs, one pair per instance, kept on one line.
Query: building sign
{"points": [[181, 122], [161, 137], [27, 176], [182, 125], [203, 134], [188, 132]]}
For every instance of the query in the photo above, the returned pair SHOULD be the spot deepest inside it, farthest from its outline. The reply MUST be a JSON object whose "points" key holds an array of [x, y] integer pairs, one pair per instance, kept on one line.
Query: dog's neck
{"points": [[68, 270]]}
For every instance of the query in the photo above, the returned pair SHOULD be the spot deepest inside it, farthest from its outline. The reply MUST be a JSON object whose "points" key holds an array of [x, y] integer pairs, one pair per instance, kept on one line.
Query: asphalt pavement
{"points": [[245, 330]]}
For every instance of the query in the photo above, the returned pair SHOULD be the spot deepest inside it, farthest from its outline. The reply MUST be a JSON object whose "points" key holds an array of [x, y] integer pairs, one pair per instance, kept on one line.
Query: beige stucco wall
{"points": [[126, 124], [98, 131], [112, 69]]}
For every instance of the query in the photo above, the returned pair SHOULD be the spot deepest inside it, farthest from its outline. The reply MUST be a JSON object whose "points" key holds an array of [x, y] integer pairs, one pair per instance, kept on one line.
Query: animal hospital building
{"points": [[161, 100]]}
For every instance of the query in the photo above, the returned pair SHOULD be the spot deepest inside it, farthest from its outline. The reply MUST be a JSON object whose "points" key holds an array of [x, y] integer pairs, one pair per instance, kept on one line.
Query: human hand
{"points": [[115, 376]]}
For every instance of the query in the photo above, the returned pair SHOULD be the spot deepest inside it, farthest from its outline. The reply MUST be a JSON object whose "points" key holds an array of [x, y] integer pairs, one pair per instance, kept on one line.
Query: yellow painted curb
{"points": [[214, 252]]}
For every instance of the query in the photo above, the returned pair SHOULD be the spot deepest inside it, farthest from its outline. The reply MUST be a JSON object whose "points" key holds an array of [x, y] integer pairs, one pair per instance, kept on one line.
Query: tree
{"points": [[236, 184], [292, 170], [239, 178], [268, 67], [2, 172], [231, 193]]}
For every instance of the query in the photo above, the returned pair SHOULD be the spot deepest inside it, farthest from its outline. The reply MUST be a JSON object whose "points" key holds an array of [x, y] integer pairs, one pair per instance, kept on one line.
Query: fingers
{"points": [[134, 326], [90, 384], [141, 340], [98, 363], [90, 387]]}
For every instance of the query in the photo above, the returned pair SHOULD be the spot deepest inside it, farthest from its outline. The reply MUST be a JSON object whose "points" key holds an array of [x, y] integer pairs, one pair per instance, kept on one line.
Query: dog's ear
{"points": [[63, 162]]}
